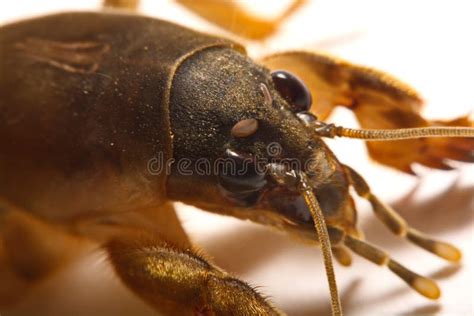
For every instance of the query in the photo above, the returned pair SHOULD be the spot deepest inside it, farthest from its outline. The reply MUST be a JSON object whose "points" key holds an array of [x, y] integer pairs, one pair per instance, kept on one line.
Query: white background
{"points": [[426, 43]]}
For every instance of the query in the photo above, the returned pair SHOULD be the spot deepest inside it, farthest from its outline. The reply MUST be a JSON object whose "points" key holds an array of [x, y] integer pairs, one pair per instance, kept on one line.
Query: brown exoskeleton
{"points": [[89, 102]]}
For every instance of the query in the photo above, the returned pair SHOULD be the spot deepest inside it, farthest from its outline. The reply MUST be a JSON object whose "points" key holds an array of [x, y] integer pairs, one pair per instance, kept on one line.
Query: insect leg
{"points": [[178, 281], [379, 101], [122, 4], [397, 224], [422, 285], [30, 251], [232, 17]]}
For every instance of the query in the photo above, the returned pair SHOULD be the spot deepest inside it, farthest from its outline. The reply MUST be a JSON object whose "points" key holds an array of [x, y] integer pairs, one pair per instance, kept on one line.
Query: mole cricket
{"points": [[92, 104]]}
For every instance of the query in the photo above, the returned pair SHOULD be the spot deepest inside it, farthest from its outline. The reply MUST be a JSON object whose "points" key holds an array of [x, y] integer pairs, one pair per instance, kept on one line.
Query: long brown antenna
{"points": [[324, 242], [330, 130]]}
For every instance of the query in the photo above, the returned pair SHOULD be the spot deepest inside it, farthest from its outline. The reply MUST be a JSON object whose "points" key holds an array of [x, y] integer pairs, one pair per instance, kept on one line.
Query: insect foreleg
{"points": [[241, 22], [379, 101], [178, 281]]}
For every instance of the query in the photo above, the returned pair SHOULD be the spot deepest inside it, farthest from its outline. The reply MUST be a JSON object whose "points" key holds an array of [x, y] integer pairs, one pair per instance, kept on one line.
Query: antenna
{"points": [[330, 130], [324, 241]]}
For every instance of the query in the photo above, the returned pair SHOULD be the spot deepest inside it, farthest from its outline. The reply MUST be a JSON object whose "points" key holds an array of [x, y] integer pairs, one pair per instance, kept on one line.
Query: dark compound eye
{"points": [[293, 90]]}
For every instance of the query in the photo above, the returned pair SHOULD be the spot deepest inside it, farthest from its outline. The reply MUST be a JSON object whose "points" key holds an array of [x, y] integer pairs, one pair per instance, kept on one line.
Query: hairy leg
{"points": [[177, 280], [153, 257]]}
